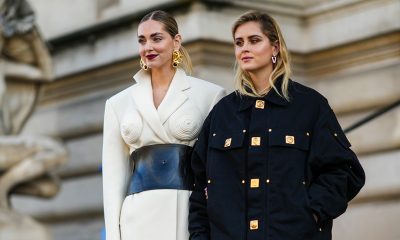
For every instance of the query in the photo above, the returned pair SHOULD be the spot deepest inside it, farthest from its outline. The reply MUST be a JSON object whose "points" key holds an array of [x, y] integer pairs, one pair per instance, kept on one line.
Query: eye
{"points": [[239, 43], [254, 40], [157, 39], [141, 41]]}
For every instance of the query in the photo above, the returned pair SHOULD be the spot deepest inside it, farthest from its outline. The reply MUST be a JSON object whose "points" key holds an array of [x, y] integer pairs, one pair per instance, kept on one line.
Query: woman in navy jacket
{"points": [[272, 161]]}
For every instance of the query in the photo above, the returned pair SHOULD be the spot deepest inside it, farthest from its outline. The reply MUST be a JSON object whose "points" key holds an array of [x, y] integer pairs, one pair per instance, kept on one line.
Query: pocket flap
{"points": [[287, 138], [226, 141]]}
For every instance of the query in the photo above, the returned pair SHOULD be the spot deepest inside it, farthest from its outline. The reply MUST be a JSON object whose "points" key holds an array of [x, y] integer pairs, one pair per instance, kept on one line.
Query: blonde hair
{"points": [[171, 26], [270, 28]]}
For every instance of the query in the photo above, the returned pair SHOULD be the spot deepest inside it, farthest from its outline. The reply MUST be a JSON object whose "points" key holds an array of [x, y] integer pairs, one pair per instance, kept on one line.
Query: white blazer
{"points": [[130, 122]]}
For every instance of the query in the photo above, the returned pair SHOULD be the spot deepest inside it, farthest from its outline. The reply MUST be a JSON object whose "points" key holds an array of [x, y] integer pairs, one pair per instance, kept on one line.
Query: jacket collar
{"points": [[142, 94], [175, 96], [271, 97]]}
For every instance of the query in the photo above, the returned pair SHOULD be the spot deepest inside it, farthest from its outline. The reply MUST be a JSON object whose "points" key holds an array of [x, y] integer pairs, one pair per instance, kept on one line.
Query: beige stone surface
{"points": [[371, 221], [78, 197], [382, 175], [383, 133], [88, 228], [368, 88], [84, 155], [15, 226]]}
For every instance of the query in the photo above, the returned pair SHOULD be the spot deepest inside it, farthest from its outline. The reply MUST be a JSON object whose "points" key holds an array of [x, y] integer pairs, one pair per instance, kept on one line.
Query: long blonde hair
{"points": [[171, 26], [270, 28]]}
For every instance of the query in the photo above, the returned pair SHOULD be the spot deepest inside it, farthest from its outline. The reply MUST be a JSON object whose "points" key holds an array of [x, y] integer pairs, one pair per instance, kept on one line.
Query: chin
{"points": [[153, 66], [248, 68]]}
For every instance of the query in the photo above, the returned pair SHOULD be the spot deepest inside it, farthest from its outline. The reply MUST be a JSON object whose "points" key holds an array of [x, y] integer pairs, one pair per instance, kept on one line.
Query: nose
{"points": [[245, 47], [148, 47]]}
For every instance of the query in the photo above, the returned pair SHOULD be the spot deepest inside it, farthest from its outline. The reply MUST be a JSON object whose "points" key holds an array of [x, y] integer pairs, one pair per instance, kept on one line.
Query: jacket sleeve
{"points": [[218, 96], [337, 175], [115, 171], [198, 218]]}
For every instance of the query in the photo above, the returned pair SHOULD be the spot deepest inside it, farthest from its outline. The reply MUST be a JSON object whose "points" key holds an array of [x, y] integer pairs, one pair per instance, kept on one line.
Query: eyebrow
{"points": [[252, 36], [152, 35]]}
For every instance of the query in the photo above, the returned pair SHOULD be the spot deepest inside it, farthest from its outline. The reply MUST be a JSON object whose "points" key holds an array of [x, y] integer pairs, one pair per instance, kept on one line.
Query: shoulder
{"points": [[228, 103], [121, 96], [197, 83]]}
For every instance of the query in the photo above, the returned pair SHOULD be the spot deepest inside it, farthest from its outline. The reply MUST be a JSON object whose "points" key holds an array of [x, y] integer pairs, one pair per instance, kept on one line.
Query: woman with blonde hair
{"points": [[271, 161], [149, 129]]}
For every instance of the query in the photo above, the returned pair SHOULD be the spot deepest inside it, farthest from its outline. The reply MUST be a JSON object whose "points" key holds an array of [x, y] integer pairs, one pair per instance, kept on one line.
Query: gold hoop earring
{"points": [[143, 65], [176, 58]]}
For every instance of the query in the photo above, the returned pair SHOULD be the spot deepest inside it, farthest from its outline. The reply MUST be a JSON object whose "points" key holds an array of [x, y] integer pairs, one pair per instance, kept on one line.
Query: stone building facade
{"points": [[349, 50]]}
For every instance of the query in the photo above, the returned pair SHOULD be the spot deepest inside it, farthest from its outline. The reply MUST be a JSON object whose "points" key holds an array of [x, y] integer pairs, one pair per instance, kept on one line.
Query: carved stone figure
{"points": [[26, 162]]}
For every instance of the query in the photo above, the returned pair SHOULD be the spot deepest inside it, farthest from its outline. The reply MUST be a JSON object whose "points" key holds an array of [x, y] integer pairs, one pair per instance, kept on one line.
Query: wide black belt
{"points": [[161, 166]]}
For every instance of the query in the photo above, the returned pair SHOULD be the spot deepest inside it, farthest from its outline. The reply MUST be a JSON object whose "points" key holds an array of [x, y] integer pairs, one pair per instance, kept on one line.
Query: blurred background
{"points": [[349, 50]]}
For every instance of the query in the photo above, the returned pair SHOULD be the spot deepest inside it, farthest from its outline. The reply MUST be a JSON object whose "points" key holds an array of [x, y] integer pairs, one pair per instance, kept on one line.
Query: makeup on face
{"points": [[155, 44], [253, 50]]}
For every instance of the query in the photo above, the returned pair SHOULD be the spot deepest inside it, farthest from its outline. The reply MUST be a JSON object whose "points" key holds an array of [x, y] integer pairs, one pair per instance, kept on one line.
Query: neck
{"points": [[260, 79], [162, 77]]}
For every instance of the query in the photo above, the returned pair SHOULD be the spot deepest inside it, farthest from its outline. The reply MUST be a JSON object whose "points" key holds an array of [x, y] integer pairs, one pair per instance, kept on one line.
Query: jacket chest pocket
{"points": [[289, 139], [226, 154], [288, 152]]}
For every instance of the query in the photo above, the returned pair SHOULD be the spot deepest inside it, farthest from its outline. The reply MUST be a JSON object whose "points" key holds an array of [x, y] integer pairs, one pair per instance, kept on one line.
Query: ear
{"points": [[276, 48], [177, 41]]}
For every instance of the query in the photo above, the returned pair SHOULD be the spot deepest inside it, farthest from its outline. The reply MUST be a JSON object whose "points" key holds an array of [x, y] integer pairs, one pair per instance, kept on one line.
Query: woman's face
{"points": [[253, 50], [156, 45]]}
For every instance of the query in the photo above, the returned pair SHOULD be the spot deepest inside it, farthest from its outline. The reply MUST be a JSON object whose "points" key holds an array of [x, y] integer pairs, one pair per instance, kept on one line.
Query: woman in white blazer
{"points": [[149, 129]]}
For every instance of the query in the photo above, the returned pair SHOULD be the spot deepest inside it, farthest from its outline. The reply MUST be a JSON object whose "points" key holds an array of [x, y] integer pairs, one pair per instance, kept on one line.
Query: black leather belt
{"points": [[161, 166]]}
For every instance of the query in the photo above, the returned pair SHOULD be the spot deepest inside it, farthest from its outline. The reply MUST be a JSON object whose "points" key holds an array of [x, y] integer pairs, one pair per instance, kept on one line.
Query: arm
{"points": [[220, 94], [337, 173], [198, 218], [115, 172]]}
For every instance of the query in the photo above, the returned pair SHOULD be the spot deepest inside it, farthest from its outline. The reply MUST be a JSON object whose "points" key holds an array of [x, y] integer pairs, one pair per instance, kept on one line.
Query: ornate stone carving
{"points": [[26, 162]]}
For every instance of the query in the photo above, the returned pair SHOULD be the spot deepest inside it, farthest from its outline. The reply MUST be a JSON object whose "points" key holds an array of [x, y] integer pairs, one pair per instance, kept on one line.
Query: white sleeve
{"points": [[115, 168], [220, 94]]}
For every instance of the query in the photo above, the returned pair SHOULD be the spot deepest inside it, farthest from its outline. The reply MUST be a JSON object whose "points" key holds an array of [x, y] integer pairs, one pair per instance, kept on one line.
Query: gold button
{"points": [[267, 181], [214, 134], [304, 182], [320, 229], [260, 104], [289, 139], [243, 181], [335, 134], [254, 183], [270, 130], [253, 224], [244, 130], [308, 134], [209, 181], [228, 142], [255, 141]]}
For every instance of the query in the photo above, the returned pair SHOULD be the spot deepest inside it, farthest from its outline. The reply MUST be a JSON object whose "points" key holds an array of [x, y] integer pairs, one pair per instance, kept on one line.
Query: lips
{"points": [[151, 56], [246, 59]]}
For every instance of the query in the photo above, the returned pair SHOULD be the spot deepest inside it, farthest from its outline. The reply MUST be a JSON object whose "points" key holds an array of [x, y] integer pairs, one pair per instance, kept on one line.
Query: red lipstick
{"points": [[151, 56]]}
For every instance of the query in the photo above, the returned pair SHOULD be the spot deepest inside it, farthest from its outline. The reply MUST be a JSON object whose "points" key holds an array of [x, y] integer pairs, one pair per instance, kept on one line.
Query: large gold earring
{"points": [[143, 65], [176, 58]]}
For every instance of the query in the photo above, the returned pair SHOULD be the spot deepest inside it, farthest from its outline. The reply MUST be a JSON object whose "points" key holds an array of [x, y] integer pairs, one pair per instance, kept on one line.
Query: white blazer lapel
{"points": [[175, 96], [143, 97]]}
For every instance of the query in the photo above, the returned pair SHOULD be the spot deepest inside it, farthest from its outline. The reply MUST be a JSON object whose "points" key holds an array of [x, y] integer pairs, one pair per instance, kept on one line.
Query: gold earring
{"points": [[176, 58], [143, 65]]}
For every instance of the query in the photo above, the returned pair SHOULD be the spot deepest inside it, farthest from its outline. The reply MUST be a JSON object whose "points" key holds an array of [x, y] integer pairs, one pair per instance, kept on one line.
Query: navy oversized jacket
{"points": [[263, 167]]}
